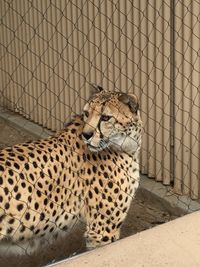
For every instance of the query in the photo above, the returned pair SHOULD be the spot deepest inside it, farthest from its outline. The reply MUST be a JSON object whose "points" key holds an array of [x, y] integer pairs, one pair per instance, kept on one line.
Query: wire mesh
{"points": [[51, 51]]}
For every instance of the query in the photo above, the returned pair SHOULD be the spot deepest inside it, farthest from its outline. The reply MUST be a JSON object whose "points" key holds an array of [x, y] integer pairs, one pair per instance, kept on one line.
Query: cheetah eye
{"points": [[105, 118], [86, 113]]}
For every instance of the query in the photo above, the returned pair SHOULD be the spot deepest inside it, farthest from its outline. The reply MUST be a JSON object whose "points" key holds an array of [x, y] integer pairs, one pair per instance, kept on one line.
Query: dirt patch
{"points": [[142, 215]]}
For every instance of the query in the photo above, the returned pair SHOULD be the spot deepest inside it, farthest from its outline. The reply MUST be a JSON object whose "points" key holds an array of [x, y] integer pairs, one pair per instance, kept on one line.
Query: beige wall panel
{"points": [[165, 85], [151, 90], [179, 124], [195, 103], [130, 48], [141, 72], [187, 90], [187, 100], [116, 41], [159, 77]]}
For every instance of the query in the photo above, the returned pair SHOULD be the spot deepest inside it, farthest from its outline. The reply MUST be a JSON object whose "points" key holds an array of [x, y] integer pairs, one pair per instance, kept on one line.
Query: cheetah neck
{"points": [[127, 144]]}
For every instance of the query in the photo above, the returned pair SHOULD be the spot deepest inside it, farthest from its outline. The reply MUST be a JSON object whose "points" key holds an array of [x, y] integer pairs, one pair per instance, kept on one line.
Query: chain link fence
{"points": [[51, 51]]}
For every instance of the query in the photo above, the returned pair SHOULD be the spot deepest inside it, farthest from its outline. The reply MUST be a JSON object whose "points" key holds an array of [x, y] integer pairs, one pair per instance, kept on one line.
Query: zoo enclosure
{"points": [[51, 50]]}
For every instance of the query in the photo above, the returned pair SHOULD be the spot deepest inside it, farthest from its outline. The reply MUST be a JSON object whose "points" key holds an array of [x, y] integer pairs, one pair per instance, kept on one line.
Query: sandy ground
{"points": [[142, 215]]}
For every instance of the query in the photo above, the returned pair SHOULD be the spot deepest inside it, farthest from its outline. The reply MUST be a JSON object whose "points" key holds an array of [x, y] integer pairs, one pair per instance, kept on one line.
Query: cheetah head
{"points": [[112, 119]]}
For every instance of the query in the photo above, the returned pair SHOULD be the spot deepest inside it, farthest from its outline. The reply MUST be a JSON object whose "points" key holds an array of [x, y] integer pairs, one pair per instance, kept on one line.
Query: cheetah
{"points": [[87, 171]]}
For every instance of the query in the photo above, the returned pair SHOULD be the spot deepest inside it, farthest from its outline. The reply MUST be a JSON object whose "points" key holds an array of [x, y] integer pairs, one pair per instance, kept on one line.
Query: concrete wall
{"points": [[174, 244]]}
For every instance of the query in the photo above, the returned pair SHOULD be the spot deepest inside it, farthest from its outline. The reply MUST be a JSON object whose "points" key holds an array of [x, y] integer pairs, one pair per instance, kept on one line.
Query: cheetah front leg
{"points": [[104, 217], [101, 231]]}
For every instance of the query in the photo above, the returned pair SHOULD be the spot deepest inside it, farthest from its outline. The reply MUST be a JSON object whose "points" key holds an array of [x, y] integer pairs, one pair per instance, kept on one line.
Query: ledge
{"points": [[21, 123], [176, 243], [160, 194]]}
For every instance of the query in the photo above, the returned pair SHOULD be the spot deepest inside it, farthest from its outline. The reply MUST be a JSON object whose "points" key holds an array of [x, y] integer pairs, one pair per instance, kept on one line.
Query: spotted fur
{"points": [[48, 184]]}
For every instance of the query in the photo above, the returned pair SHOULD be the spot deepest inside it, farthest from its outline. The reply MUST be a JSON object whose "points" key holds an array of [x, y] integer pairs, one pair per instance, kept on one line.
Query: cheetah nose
{"points": [[87, 136]]}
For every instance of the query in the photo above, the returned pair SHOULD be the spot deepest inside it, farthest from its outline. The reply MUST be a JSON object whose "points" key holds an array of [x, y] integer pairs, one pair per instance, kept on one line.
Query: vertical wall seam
{"points": [[172, 88]]}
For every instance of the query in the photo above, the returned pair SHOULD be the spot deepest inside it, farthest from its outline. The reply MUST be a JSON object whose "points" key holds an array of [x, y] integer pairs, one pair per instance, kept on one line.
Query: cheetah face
{"points": [[112, 119]]}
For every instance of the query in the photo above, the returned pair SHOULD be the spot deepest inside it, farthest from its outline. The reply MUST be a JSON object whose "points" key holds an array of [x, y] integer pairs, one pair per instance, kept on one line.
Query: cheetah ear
{"points": [[131, 100], [95, 89]]}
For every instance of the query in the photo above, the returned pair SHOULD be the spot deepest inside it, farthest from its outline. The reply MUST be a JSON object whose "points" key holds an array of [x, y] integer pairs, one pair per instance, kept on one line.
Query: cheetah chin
{"points": [[103, 144]]}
